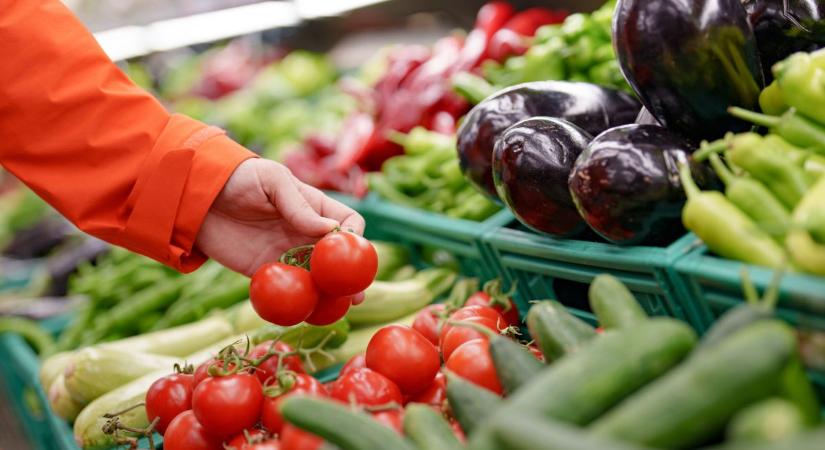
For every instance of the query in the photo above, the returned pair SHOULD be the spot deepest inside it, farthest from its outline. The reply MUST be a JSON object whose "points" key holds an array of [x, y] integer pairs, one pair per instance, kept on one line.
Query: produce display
{"points": [[598, 188]]}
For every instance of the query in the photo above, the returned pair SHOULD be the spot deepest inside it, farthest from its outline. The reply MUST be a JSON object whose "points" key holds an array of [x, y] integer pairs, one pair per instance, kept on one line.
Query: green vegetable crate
{"points": [[431, 236], [562, 269], [713, 285]]}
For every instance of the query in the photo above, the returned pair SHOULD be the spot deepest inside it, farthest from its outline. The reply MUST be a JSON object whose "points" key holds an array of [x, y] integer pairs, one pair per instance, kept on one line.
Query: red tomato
{"points": [[168, 397], [343, 263], [271, 417], [267, 368], [329, 310], [283, 294], [509, 312], [269, 444], [472, 361], [427, 322], [294, 438], [202, 372], [366, 387], [467, 312], [246, 438], [393, 418], [458, 335], [435, 394], [404, 356], [458, 432], [186, 433], [356, 362], [599, 330], [228, 405]]}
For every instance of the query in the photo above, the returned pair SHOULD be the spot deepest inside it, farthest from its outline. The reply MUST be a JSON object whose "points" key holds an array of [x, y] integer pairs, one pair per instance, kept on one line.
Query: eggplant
{"points": [[646, 118], [688, 61], [591, 107], [532, 161], [784, 27], [626, 184]]}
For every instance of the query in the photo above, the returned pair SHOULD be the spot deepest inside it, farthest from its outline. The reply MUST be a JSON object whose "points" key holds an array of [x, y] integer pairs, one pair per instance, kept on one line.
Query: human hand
{"points": [[262, 211]]}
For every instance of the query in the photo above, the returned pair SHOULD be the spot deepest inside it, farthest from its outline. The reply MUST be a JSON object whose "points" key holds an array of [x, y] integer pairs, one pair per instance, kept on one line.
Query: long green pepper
{"points": [[791, 126], [801, 77], [809, 222]]}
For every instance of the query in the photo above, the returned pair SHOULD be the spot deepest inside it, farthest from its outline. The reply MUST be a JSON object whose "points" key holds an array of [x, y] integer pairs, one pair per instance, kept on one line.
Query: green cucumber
{"points": [[515, 365], [614, 305], [527, 432], [695, 401], [796, 387], [731, 322], [556, 331], [811, 440], [470, 404], [340, 425], [428, 429], [773, 419], [581, 386]]}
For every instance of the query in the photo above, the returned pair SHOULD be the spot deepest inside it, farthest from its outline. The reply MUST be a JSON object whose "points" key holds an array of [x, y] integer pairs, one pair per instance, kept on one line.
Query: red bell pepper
{"points": [[511, 39]]}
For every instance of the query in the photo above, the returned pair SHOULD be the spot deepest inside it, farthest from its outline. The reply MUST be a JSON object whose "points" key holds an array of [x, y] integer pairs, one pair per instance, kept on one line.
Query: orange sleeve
{"points": [[102, 151]]}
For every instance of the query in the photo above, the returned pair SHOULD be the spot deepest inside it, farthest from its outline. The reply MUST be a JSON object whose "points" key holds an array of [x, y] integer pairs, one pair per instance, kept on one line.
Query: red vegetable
{"points": [[343, 264], [492, 16], [427, 322], [392, 418], [271, 417], [330, 310], [283, 294], [245, 440], [404, 356], [294, 438], [356, 362], [435, 395], [509, 312], [472, 361], [458, 335], [186, 433], [512, 38], [168, 397], [267, 368], [227, 405], [366, 387]]}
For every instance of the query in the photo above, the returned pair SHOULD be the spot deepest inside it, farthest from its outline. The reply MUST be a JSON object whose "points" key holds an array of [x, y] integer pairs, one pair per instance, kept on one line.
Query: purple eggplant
{"points": [[688, 61], [626, 184], [593, 108], [532, 161], [784, 27]]}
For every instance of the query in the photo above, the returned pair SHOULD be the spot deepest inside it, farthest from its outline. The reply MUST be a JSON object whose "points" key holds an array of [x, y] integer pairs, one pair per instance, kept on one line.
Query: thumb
{"points": [[293, 207]]}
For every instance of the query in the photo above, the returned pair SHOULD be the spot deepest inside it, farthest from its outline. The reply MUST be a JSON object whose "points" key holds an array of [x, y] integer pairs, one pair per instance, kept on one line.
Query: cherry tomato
{"points": [[294, 438], [404, 356], [510, 312], [283, 294], [246, 438], [202, 372], [393, 418], [271, 417], [427, 322], [168, 397], [228, 405], [186, 433], [356, 362], [435, 394], [366, 387], [458, 335], [329, 310], [343, 263], [267, 368], [472, 361], [467, 312]]}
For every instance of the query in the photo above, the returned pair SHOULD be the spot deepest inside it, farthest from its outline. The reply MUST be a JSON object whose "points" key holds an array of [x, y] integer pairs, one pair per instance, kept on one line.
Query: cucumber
{"points": [[340, 425], [796, 387], [614, 305], [96, 371], [470, 404], [556, 331], [514, 364], [527, 432], [428, 430], [695, 401], [385, 301], [811, 440], [773, 419], [579, 387], [731, 322]]}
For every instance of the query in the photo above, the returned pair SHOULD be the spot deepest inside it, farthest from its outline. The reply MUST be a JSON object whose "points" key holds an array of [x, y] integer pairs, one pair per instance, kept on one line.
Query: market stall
{"points": [[588, 226]]}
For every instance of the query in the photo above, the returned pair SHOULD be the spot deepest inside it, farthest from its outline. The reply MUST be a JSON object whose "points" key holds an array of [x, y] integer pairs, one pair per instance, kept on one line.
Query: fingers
{"points": [[333, 209], [292, 204]]}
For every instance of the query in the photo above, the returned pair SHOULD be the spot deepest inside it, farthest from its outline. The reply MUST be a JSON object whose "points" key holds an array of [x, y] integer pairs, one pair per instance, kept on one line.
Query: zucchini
{"points": [[53, 366], [385, 301], [340, 425], [470, 404], [61, 402], [773, 419], [579, 387], [515, 365], [428, 430], [556, 331], [527, 432], [391, 257], [811, 440], [614, 305], [95, 371], [695, 401], [179, 341]]}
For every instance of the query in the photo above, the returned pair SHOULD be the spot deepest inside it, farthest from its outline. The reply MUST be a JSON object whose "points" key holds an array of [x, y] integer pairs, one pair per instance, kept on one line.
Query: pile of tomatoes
{"points": [[341, 266]]}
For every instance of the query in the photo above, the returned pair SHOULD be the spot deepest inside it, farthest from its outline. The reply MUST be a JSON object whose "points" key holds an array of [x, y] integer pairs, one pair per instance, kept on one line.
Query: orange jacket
{"points": [[103, 152]]}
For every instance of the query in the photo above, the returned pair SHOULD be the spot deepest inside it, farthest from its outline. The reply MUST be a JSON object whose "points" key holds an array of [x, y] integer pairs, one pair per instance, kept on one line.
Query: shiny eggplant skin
{"points": [[784, 27], [646, 118], [688, 61], [591, 107], [626, 185], [532, 161]]}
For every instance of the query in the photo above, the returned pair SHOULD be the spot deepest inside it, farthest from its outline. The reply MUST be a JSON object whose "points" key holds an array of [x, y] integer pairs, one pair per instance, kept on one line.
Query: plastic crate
{"points": [[562, 269], [422, 231], [715, 285]]}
